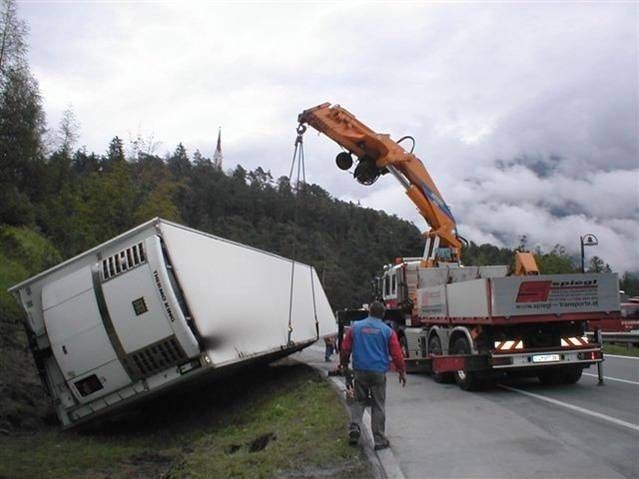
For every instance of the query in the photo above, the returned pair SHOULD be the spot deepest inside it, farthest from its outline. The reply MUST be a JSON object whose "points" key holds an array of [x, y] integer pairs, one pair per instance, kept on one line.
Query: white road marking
{"points": [[612, 379], [606, 355], [582, 410]]}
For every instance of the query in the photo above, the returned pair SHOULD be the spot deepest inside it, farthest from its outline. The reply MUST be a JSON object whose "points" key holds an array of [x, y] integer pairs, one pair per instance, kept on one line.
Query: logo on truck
{"points": [[165, 302], [533, 291], [566, 293]]}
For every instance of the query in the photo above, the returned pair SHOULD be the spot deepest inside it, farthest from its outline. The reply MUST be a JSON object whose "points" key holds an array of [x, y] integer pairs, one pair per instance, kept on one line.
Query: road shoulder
{"points": [[384, 462]]}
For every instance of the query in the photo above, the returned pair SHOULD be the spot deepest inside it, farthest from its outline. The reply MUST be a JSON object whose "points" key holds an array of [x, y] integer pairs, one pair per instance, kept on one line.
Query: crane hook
{"points": [[301, 129]]}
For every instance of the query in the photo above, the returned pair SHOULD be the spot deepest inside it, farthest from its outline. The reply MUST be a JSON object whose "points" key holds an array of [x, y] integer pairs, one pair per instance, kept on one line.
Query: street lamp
{"points": [[591, 240], [587, 240]]}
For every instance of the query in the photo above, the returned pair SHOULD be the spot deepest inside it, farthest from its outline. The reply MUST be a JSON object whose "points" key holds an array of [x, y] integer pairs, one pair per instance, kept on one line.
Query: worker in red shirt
{"points": [[371, 343]]}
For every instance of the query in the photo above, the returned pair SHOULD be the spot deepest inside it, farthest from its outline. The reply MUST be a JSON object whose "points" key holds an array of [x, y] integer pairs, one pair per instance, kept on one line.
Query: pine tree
{"points": [[178, 162], [115, 153], [556, 262], [597, 265], [158, 203]]}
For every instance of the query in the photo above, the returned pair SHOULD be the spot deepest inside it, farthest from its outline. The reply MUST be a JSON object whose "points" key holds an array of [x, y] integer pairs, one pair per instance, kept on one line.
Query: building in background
{"points": [[217, 156]]}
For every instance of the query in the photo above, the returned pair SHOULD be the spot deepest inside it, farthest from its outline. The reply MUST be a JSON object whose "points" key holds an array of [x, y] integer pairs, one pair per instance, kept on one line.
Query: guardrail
{"points": [[621, 338]]}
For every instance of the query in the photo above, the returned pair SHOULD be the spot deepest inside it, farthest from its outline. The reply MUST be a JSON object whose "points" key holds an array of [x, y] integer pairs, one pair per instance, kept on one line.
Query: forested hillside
{"points": [[83, 199]]}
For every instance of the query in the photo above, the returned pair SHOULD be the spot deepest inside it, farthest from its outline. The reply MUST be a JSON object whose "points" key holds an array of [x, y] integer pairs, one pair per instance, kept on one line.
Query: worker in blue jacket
{"points": [[371, 343]]}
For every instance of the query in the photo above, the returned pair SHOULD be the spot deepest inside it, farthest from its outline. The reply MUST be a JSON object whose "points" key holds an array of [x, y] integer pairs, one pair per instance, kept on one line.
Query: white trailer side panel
{"points": [[493, 271], [468, 299], [431, 302], [240, 297], [432, 276], [467, 273]]}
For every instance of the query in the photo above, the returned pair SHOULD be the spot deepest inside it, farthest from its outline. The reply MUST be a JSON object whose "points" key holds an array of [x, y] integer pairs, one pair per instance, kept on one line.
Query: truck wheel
{"points": [[571, 375], [550, 377], [468, 381], [553, 377], [435, 348]]}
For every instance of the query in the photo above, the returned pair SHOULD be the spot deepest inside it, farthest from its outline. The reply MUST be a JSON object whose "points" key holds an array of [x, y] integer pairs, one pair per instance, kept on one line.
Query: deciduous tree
{"points": [[13, 32]]}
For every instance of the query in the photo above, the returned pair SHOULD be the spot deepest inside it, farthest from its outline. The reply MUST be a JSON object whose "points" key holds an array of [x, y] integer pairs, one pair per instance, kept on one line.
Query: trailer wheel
{"points": [[468, 381], [435, 348]]}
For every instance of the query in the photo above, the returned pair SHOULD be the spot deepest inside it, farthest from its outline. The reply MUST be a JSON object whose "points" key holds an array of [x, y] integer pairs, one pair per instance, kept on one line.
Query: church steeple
{"points": [[217, 156]]}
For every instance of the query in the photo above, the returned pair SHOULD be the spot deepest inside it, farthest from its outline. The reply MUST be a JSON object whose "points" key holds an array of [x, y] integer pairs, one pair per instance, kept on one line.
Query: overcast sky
{"points": [[526, 114]]}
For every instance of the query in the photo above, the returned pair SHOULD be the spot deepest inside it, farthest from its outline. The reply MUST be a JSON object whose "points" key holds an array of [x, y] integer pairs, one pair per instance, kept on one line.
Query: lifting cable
{"points": [[298, 158]]}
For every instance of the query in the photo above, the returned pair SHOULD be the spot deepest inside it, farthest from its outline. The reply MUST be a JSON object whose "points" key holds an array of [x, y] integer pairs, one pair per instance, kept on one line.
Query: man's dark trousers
{"points": [[370, 389]]}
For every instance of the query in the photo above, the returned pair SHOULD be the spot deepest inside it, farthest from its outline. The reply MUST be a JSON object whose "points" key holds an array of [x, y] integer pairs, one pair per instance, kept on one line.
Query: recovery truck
{"points": [[160, 305], [468, 323]]}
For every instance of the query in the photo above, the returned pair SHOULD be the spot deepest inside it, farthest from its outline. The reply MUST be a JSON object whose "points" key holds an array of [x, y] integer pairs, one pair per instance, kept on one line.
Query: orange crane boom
{"points": [[378, 154]]}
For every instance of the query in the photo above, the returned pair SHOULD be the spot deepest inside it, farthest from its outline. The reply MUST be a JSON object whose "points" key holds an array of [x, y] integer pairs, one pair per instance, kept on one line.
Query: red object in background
{"points": [[628, 321], [607, 325], [533, 291]]}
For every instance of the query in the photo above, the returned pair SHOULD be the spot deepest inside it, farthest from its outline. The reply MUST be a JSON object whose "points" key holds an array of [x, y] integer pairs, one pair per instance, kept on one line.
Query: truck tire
{"points": [[549, 377], [435, 348], [468, 381], [567, 375], [572, 375]]}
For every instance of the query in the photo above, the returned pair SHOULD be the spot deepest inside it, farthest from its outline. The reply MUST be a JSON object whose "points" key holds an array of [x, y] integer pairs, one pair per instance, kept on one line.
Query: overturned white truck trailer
{"points": [[161, 304]]}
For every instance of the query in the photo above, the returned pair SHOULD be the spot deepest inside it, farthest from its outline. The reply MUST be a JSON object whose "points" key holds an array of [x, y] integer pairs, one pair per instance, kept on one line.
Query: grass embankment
{"points": [[279, 421], [23, 403], [621, 350]]}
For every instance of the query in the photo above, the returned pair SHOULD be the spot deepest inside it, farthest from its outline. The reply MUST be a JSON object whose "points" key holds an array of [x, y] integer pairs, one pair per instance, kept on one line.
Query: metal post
{"points": [[340, 334], [426, 254], [599, 340], [586, 240]]}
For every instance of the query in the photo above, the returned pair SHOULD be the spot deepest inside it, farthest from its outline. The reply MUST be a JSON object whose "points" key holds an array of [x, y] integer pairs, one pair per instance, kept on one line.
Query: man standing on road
{"points": [[371, 343]]}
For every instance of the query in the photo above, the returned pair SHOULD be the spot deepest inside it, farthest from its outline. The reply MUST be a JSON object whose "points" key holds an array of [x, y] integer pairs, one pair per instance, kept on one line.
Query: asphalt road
{"points": [[584, 431], [521, 429]]}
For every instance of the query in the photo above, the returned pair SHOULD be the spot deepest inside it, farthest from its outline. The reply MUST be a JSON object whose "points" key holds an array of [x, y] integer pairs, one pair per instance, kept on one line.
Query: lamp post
{"points": [[591, 240], [587, 240]]}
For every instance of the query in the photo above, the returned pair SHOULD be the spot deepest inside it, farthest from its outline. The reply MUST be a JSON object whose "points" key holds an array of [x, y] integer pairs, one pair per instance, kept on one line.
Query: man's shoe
{"points": [[353, 434], [382, 445]]}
